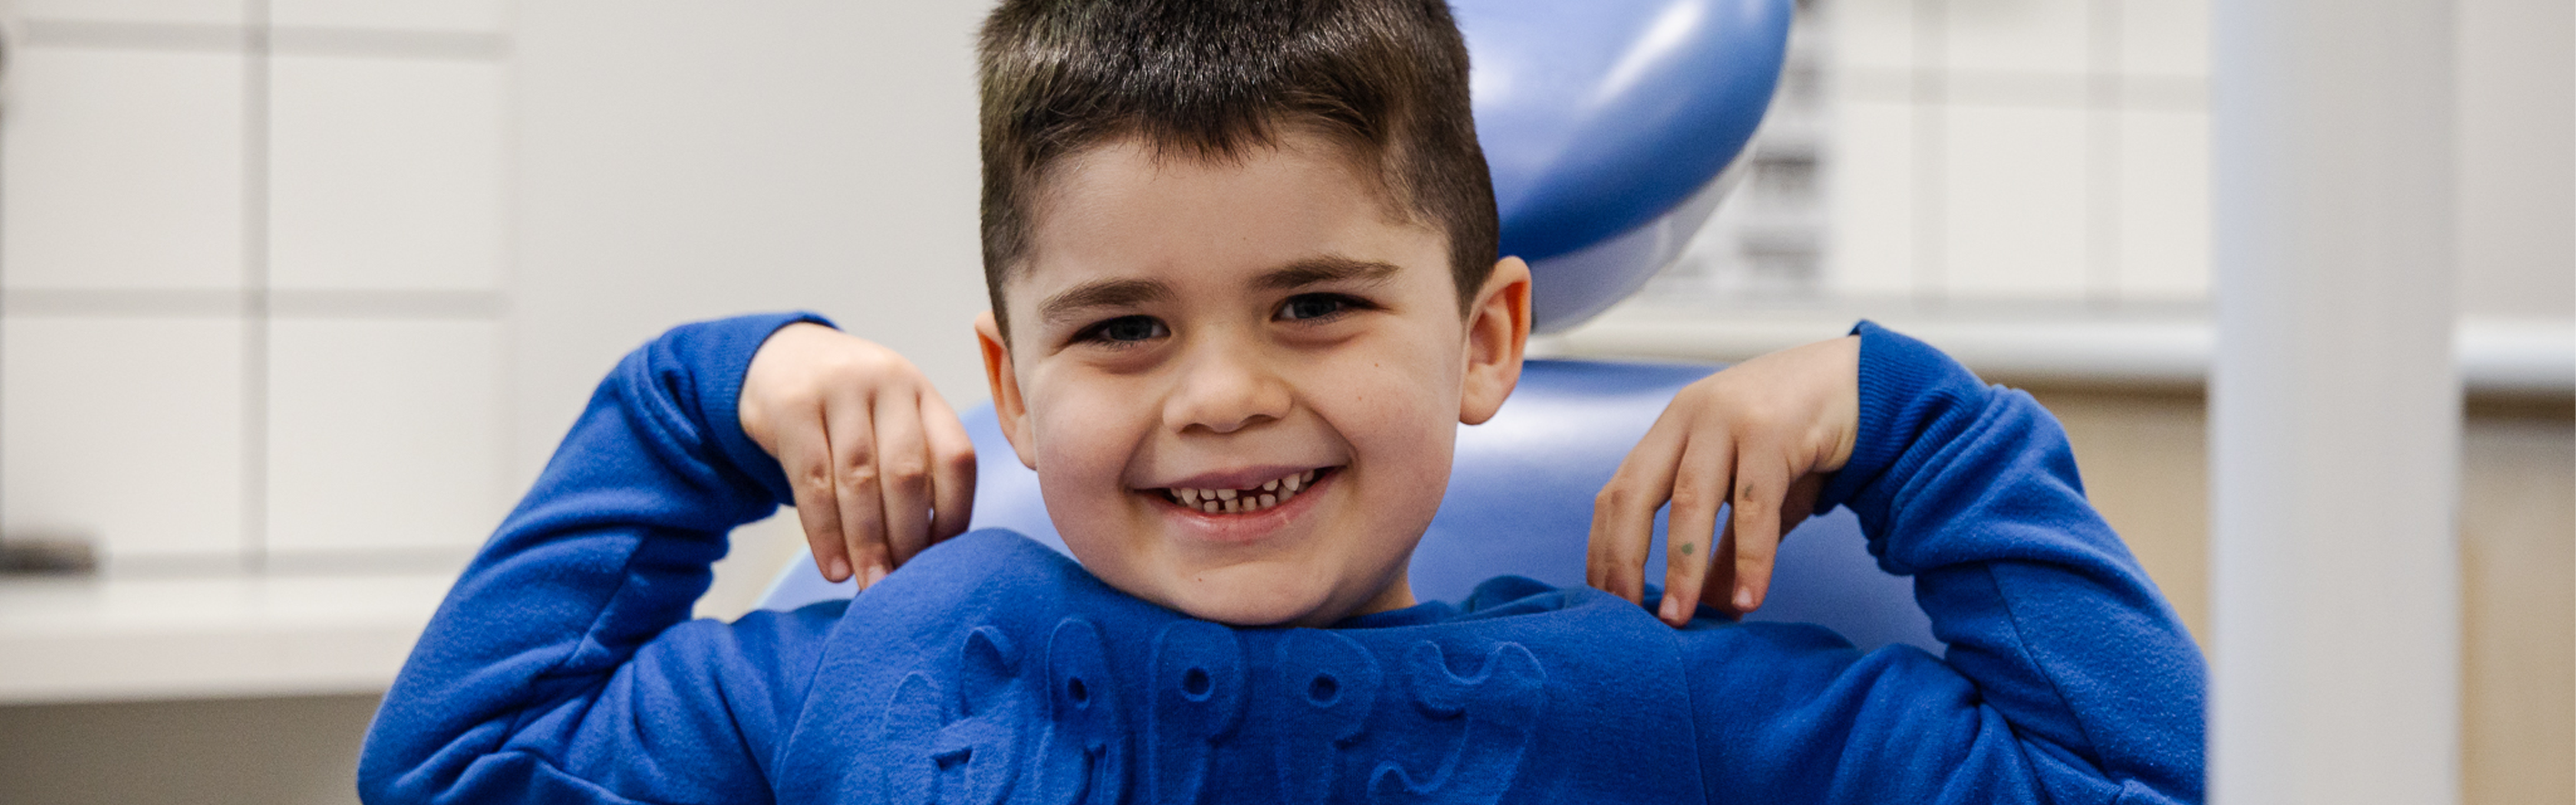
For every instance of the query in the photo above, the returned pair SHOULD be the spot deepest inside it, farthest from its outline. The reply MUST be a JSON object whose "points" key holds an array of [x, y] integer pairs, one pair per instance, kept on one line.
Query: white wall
{"points": [[2050, 151], [2517, 169], [321, 283], [254, 264], [2057, 151], [685, 159]]}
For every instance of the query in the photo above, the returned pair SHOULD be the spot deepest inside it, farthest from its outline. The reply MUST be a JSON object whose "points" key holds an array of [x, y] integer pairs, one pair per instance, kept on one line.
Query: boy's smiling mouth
{"points": [[1248, 499]]}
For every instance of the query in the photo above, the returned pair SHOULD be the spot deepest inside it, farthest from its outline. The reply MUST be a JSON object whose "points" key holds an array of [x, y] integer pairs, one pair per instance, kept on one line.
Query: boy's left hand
{"points": [[1760, 436]]}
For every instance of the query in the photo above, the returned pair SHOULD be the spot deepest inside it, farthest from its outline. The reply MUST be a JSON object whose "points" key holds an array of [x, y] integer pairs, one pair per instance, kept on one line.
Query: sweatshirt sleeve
{"points": [[2067, 677], [559, 669]]}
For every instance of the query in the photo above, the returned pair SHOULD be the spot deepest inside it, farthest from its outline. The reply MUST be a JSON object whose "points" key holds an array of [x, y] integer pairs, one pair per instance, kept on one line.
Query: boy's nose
{"points": [[1225, 390]]}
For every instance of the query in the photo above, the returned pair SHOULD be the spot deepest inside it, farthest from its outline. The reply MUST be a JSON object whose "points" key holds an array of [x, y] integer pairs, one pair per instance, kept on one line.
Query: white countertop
{"points": [[2495, 356], [110, 638], [146, 634]]}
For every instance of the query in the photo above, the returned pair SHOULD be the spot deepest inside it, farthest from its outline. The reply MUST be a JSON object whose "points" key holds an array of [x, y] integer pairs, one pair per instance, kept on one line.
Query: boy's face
{"points": [[1183, 327]]}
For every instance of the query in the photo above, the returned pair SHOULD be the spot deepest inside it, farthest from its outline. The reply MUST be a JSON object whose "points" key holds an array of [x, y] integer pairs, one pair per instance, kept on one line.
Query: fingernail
{"points": [[840, 570], [1672, 610], [876, 573], [1743, 599]]}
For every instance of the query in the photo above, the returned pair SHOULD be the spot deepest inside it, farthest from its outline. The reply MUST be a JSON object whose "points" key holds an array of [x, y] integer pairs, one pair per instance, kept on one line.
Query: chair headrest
{"points": [[1607, 124]]}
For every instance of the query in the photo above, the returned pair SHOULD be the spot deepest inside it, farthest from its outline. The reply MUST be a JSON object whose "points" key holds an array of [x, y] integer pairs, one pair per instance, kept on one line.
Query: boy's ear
{"points": [[1008, 406], [1498, 327]]}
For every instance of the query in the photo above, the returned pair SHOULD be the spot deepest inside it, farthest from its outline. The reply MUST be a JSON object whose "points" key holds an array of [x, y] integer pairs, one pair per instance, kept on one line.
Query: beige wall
{"points": [[298, 751], [2517, 556], [2144, 460]]}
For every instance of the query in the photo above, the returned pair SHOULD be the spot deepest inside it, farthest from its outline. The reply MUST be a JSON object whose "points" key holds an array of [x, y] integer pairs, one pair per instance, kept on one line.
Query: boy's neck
{"points": [[1396, 596]]}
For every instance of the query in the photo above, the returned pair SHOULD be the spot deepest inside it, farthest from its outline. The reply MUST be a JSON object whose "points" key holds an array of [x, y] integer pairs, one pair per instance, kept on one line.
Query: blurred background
{"points": [[296, 296]]}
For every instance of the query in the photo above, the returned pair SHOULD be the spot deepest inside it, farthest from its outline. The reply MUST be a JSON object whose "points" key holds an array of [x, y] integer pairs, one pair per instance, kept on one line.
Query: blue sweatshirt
{"points": [[562, 668]]}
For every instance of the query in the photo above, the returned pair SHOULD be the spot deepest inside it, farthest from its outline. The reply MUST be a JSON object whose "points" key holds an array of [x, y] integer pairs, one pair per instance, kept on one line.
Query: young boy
{"points": [[1244, 288]]}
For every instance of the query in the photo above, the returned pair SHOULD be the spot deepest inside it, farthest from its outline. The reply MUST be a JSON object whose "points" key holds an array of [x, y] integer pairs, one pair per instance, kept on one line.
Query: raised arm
{"points": [[558, 669], [2067, 678]]}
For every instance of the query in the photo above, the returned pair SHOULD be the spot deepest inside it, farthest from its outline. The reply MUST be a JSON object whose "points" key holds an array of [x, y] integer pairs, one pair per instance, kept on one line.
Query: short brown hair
{"points": [[1213, 78]]}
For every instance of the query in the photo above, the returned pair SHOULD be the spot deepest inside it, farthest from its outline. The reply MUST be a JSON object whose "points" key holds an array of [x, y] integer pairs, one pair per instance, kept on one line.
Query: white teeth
{"points": [[1236, 501]]}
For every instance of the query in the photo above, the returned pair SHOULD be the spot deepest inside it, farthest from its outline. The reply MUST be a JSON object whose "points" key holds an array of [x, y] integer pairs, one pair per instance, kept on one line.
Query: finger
{"points": [[805, 455], [1700, 485], [854, 491], [1761, 488], [1623, 514], [1718, 592], [952, 468], [903, 463]]}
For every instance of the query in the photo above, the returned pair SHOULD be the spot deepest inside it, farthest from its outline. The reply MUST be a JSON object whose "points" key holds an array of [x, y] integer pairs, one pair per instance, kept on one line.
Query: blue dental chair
{"points": [[1609, 127]]}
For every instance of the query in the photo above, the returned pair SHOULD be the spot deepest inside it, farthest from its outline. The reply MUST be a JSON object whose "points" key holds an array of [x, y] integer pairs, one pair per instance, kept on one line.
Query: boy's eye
{"points": [[1303, 307], [1126, 329]]}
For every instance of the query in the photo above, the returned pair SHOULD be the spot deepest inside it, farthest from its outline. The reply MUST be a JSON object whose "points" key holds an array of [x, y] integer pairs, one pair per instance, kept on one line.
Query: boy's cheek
{"points": [[1080, 438], [1060, 390], [1418, 385]]}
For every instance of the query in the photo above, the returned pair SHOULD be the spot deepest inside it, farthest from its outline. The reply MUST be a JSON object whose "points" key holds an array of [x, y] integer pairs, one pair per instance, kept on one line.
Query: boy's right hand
{"points": [[880, 465]]}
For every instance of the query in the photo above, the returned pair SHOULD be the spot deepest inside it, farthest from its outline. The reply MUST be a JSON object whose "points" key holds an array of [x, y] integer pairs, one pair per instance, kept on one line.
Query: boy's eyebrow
{"points": [[1328, 268], [1107, 293]]}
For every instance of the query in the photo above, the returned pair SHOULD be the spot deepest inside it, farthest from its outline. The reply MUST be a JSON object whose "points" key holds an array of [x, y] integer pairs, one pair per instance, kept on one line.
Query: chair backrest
{"points": [[1520, 503]]}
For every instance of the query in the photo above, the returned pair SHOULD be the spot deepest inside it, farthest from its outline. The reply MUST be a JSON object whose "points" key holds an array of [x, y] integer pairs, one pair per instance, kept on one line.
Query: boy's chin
{"points": [[1263, 602], [1237, 609]]}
